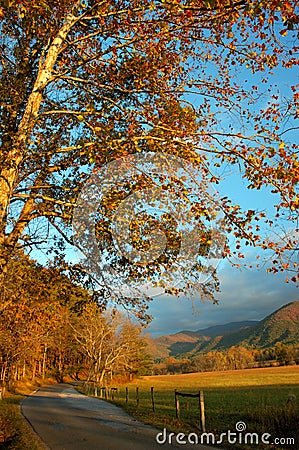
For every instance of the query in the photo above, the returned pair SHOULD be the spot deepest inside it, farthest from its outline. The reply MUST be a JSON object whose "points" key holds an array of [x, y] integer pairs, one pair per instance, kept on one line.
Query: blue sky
{"points": [[245, 294]]}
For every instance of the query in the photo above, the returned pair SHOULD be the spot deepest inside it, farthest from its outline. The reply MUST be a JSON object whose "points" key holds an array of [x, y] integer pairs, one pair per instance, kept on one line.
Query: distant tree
{"points": [[284, 354], [240, 357], [135, 358], [109, 343]]}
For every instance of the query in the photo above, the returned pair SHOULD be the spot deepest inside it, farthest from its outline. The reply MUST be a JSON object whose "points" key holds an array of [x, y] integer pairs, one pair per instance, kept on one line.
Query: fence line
{"points": [[109, 393]]}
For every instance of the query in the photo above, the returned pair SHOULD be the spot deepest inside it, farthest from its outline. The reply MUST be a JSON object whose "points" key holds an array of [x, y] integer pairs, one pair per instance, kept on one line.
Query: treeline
{"points": [[50, 326], [231, 359]]}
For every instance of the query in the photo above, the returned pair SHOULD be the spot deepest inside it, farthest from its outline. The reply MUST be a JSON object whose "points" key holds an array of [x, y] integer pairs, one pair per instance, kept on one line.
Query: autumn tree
{"points": [[35, 337], [50, 326], [109, 343], [86, 83], [135, 359]]}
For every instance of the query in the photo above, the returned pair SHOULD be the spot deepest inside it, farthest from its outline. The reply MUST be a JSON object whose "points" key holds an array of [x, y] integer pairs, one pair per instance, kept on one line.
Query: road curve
{"points": [[66, 420]]}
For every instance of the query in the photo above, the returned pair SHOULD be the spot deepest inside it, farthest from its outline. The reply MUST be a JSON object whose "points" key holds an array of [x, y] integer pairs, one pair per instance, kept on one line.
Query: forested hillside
{"points": [[50, 326], [280, 326]]}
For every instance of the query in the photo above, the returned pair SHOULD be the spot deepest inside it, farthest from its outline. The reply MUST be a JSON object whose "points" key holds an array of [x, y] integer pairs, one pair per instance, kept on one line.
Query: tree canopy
{"points": [[85, 83]]}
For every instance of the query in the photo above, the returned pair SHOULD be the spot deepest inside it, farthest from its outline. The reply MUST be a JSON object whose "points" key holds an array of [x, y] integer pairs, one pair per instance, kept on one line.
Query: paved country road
{"points": [[66, 420]]}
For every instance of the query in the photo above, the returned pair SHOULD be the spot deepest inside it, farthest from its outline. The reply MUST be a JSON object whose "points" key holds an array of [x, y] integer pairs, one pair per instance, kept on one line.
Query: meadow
{"points": [[267, 400], [257, 397]]}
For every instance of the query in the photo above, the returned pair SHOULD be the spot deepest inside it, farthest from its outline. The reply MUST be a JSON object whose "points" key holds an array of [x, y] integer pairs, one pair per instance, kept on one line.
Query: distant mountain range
{"points": [[280, 326]]}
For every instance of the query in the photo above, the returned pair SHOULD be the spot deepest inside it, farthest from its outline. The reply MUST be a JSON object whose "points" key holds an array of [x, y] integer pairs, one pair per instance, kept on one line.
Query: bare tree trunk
{"points": [[24, 370], [3, 376], [33, 370], [15, 376], [44, 362], [60, 366], [103, 372]]}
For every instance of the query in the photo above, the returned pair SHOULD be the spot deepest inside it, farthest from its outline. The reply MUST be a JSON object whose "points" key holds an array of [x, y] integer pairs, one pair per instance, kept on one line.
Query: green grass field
{"points": [[258, 397]]}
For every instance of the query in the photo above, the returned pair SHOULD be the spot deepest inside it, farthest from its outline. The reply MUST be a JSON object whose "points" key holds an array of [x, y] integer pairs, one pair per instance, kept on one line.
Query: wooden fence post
{"points": [[201, 405], [177, 404], [127, 395], [137, 397], [202, 411], [112, 391], [153, 400]]}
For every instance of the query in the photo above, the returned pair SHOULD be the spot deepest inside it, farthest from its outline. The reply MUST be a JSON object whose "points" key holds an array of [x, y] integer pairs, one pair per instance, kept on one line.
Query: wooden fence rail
{"points": [[201, 404]]}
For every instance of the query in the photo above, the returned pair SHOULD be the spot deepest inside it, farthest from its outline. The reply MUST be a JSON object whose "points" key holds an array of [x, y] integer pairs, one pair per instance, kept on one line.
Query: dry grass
{"points": [[15, 432], [259, 397], [246, 377]]}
